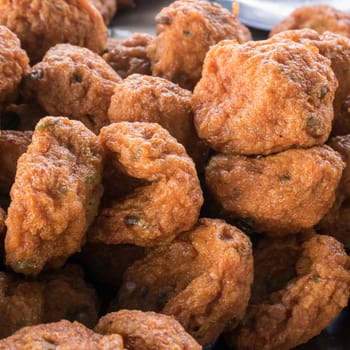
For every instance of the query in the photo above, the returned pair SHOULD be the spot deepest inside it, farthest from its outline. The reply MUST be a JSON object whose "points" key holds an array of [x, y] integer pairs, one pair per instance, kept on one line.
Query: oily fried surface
{"points": [[107, 8], [75, 82], [160, 210], [50, 298], [63, 335], [320, 18], [147, 331], [129, 56], [203, 279], [185, 31], [279, 194], [298, 311], [152, 99], [14, 64], [263, 97], [55, 195], [45, 23]]}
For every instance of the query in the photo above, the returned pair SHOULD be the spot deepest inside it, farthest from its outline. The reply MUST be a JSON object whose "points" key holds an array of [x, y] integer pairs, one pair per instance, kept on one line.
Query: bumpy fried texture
{"points": [[290, 313], [55, 196], [43, 24], [129, 56], [185, 31], [147, 331], [107, 8], [263, 97], [52, 297], [14, 64], [320, 18], [156, 100], [279, 194], [159, 211], [203, 279], [62, 335], [73, 81]]}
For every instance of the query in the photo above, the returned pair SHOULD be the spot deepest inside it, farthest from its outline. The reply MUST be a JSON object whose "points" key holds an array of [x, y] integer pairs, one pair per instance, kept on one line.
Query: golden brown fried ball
{"points": [[264, 97], [163, 208], [320, 18], [74, 82], [287, 313], [107, 8], [129, 56], [185, 31], [156, 100], [203, 279], [52, 297], [63, 335], [42, 24], [147, 331], [279, 194], [55, 196], [14, 64]]}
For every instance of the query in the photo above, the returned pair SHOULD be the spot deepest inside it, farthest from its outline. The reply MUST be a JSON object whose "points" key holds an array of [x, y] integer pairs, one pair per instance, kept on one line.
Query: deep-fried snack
{"points": [[73, 81], [185, 31], [12, 145], [55, 196], [301, 285], [320, 18], [107, 8], [203, 279], [147, 331], [14, 64], [129, 56], [50, 298], [163, 208], [42, 24], [156, 100], [63, 335], [263, 97], [280, 194]]}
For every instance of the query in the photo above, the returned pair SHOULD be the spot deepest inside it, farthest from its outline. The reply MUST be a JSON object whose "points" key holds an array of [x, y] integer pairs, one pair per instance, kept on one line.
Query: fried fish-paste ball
{"points": [[185, 31], [263, 97], [156, 100], [203, 279], [320, 18], [55, 196], [147, 331], [75, 82], [163, 208], [63, 335], [14, 64], [107, 8], [52, 297], [280, 194], [129, 56], [42, 24], [290, 312]]}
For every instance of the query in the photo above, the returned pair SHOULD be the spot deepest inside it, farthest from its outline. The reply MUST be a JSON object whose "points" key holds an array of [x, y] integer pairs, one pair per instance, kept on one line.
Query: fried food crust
{"points": [[203, 279], [55, 195], [107, 8], [63, 335], [73, 81], [42, 24], [264, 97], [159, 211], [280, 194], [185, 31], [147, 331], [306, 304]]}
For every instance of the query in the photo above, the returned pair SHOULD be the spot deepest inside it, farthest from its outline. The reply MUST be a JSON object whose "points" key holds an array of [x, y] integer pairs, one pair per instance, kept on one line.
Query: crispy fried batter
{"points": [[291, 312], [107, 8], [55, 195], [279, 194], [43, 24], [203, 279], [159, 211], [185, 31], [264, 97]]}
